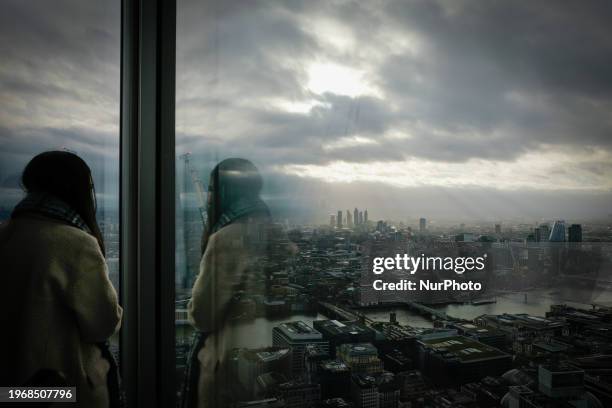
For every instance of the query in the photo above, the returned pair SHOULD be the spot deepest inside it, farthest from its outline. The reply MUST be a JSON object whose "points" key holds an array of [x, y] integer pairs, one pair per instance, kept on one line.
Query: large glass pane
{"points": [[59, 90], [469, 136]]}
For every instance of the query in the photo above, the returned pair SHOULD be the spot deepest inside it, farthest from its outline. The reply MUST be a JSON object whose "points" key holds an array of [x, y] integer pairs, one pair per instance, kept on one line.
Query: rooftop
{"points": [[298, 331], [523, 319], [382, 380], [358, 349], [270, 355], [477, 330], [551, 346], [560, 368], [334, 327], [271, 379], [463, 348], [315, 350], [335, 366], [336, 402]]}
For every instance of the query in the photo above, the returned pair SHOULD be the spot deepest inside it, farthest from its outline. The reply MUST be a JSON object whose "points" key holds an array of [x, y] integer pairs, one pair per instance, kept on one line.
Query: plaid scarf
{"points": [[239, 209], [51, 206]]}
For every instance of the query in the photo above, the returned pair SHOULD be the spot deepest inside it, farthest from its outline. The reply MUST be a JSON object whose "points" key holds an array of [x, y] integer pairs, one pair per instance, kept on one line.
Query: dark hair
{"points": [[67, 177], [231, 180]]}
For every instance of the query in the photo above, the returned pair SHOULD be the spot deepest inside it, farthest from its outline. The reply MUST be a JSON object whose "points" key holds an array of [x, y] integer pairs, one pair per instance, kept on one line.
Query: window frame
{"points": [[147, 201]]}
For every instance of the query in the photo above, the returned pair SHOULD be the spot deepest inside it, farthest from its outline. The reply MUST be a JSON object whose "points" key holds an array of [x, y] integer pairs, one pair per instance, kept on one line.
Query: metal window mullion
{"points": [[147, 202]]}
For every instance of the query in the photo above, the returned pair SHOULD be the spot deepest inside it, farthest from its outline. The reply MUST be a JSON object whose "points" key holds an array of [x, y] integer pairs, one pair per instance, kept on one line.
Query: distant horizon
{"points": [[282, 208]]}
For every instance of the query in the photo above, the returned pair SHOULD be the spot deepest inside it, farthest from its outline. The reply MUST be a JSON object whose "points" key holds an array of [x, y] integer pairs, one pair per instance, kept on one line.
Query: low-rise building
{"points": [[361, 358], [459, 360]]}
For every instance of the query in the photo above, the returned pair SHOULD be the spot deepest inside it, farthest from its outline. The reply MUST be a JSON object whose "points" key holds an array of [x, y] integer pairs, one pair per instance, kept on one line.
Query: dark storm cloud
{"points": [[491, 80], [278, 137], [479, 79], [538, 68], [59, 87], [77, 32], [237, 47]]}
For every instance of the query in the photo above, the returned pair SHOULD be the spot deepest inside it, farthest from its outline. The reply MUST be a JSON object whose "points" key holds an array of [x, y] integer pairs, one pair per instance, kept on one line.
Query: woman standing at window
{"points": [[238, 241], [58, 304]]}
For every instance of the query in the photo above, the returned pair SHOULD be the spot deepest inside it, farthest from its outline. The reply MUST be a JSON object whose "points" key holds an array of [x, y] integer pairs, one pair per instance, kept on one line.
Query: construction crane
{"points": [[197, 183]]}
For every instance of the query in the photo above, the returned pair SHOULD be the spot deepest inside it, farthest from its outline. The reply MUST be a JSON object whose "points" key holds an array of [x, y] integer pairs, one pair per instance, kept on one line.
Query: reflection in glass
{"points": [[384, 128], [59, 90]]}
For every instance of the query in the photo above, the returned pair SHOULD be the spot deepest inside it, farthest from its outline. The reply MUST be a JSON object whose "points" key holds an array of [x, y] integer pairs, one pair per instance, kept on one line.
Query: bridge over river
{"points": [[339, 313]]}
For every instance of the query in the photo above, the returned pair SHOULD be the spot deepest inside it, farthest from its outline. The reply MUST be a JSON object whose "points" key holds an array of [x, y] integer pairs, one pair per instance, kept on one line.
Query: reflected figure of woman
{"points": [[58, 304], [238, 236]]}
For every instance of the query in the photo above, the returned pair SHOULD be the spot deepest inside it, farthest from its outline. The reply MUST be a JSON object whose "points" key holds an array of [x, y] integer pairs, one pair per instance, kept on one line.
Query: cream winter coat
{"points": [[234, 257], [56, 303]]}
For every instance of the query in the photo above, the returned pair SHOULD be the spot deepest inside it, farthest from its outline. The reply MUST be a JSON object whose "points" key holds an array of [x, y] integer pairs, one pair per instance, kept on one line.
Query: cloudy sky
{"points": [[450, 109]]}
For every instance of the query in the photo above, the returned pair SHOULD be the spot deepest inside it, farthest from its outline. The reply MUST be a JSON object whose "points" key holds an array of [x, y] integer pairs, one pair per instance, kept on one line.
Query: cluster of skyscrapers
{"points": [[558, 233], [350, 219]]}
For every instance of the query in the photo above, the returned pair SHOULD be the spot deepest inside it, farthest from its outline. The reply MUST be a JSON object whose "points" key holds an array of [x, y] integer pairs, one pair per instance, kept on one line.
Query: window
{"points": [[394, 127], [374, 126], [59, 87]]}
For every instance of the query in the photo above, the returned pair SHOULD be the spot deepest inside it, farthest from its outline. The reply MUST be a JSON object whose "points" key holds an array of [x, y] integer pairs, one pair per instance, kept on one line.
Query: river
{"points": [[258, 332]]}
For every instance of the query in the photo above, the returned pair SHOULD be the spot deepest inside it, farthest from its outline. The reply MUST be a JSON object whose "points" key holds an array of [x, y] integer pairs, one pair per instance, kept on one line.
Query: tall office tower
{"points": [[339, 219], [557, 234], [575, 233], [365, 216], [364, 391], [335, 379], [297, 335], [349, 219], [332, 220], [422, 225], [356, 216], [313, 356], [542, 233], [497, 229], [360, 217]]}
